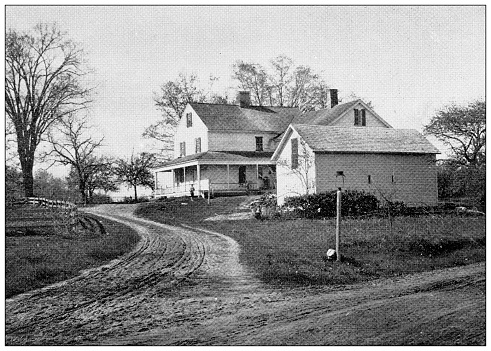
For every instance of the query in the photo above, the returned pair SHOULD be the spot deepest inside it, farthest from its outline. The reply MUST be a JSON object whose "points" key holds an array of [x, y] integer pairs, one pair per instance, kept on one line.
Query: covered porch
{"points": [[215, 174]]}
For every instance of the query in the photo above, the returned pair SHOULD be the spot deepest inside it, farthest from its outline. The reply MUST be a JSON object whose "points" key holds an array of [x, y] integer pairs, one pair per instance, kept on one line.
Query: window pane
{"points": [[294, 153], [259, 143], [189, 119]]}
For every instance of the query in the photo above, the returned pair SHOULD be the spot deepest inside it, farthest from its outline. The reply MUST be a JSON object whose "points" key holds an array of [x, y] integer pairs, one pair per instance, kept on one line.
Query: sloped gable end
{"points": [[283, 141], [372, 119]]}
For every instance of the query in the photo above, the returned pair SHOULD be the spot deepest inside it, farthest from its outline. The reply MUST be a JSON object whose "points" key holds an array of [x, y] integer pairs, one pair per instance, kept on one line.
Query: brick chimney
{"points": [[332, 98], [244, 99]]}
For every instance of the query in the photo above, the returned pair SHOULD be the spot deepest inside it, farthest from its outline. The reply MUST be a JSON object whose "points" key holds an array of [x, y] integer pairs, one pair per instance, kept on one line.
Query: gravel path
{"points": [[186, 287]]}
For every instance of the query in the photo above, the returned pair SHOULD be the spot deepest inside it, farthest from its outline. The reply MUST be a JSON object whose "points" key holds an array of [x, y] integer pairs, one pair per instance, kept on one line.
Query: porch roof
{"points": [[218, 157]]}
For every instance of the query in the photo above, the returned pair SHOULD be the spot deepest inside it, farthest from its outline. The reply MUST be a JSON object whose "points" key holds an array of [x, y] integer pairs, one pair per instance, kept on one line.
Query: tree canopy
{"points": [[463, 129], [282, 84], [43, 85], [72, 146], [136, 171]]}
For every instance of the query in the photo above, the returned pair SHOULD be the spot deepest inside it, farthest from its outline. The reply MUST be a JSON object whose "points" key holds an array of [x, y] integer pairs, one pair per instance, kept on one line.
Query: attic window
{"points": [[198, 145], [360, 117], [294, 153], [189, 119], [259, 143]]}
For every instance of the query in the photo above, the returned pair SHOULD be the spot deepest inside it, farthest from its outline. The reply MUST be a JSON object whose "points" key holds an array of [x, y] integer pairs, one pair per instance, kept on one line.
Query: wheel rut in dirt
{"points": [[186, 287], [166, 261]]}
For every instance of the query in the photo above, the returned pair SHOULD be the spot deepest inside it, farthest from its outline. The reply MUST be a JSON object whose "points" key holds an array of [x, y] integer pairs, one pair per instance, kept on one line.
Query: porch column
{"points": [[184, 178], [198, 174], [155, 181], [228, 176], [173, 180]]}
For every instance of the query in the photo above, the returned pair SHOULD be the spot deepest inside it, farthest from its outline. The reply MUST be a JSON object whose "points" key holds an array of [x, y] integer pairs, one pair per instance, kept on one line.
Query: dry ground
{"points": [[186, 287]]}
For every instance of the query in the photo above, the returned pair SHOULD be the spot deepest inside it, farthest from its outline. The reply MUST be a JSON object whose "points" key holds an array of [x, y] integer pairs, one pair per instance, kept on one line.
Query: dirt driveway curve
{"points": [[185, 287]]}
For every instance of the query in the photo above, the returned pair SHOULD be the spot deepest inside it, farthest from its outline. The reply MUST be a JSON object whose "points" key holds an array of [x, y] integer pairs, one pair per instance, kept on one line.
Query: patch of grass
{"points": [[293, 252], [34, 261]]}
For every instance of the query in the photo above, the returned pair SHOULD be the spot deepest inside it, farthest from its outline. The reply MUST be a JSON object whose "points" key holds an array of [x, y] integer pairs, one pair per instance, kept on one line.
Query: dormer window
{"points": [[360, 117], [259, 143], [189, 119]]}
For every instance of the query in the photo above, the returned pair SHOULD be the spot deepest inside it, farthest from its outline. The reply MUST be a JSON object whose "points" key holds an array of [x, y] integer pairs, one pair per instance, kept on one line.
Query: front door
{"points": [[242, 174]]}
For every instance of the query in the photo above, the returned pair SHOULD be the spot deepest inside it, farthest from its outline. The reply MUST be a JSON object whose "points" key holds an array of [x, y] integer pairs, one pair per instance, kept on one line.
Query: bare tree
{"points": [[281, 77], [283, 85], [171, 101], [43, 76], [72, 146], [103, 178], [136, 171], [253, 77]]}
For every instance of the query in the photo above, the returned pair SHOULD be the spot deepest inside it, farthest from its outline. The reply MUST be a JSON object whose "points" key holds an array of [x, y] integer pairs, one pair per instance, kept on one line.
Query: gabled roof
{"points": [[253, 118], [324, 116], [220, 117], [360, 140]]}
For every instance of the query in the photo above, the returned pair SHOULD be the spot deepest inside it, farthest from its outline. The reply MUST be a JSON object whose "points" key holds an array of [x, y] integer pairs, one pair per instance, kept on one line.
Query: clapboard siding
{"points": [[415, 179], [240, 141]]}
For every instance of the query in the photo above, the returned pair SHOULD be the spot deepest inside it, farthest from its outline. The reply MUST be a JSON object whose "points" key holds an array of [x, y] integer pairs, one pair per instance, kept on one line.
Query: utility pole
{"points": [[338, 223]]}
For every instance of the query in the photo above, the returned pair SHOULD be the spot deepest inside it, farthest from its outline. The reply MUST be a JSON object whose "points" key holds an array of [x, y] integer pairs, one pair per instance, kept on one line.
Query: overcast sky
{"points": [[408, 60]]}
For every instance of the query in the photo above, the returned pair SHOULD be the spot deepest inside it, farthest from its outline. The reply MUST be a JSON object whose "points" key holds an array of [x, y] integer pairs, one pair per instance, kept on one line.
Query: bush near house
{"points": [[323, 205]]}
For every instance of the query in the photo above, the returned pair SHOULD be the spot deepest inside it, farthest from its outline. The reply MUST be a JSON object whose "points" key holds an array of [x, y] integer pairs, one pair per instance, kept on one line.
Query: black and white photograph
{"points": [[245, 175]]}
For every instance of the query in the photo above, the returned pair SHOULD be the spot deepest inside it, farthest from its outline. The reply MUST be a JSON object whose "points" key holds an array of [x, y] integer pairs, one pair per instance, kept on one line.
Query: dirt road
{"points": [[186, 287]]}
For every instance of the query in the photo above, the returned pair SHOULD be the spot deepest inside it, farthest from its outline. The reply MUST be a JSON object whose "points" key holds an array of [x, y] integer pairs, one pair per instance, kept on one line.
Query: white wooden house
{"points": [[225, 148], [239, 148], [393, 164]]}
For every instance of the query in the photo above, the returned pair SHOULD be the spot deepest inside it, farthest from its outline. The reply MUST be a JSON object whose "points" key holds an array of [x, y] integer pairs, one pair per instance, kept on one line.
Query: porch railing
{"points": [[205, 185]]}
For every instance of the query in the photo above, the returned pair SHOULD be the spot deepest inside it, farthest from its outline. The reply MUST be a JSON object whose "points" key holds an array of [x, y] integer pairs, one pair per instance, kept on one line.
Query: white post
{"points": [[184, 181], [198, 174], [338, 222], [173, 180], [228, 176], [209, 190]]}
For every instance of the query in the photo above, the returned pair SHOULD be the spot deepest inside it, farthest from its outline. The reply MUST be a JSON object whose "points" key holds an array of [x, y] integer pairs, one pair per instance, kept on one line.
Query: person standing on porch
{"points": [[192, 191]]}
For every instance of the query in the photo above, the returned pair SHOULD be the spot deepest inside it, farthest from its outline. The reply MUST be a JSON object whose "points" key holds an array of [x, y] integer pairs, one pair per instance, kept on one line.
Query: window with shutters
{"points": [[198, 145], [259, 143], [294, 153], [360, 117], [369, 179], [182, 146], [189, 119]]}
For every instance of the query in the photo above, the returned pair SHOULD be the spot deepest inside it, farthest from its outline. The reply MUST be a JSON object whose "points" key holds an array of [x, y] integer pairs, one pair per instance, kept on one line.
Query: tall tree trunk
{"points": [[136, 198], [81, 189], [27, 165], [28, 180]]}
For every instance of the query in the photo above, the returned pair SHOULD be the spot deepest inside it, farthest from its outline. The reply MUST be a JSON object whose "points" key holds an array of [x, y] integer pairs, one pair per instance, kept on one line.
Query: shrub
{"points": [[395, 208], [100, 199], [353, 203], [265, 207]]}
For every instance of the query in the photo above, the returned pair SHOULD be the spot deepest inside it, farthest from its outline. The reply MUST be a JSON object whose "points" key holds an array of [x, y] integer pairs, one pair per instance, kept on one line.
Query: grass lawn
{"points": [[292, 252], [46, 256]]}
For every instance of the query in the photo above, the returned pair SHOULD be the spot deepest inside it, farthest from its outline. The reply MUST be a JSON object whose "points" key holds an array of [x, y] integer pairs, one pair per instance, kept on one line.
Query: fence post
{"points": [[338, 222]]}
